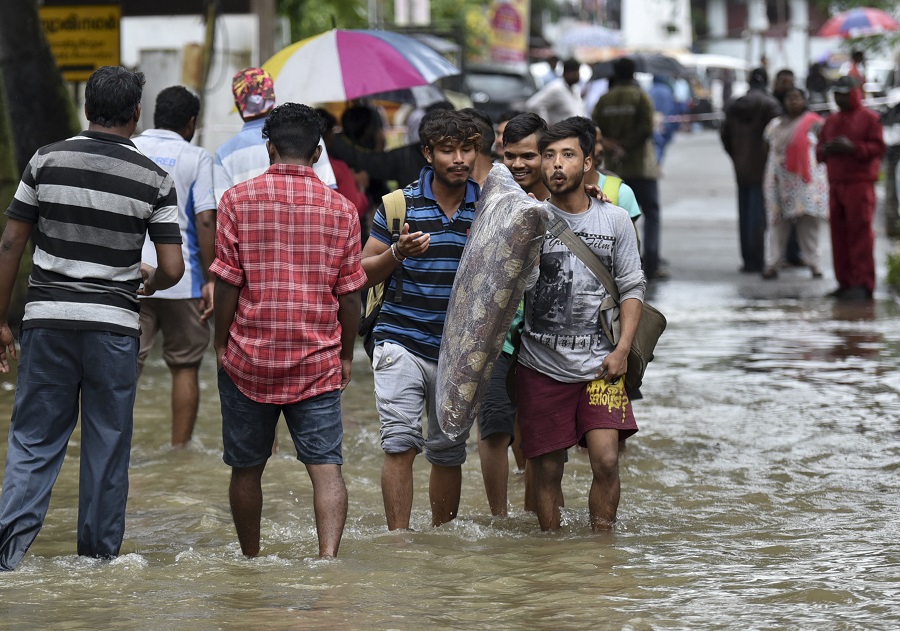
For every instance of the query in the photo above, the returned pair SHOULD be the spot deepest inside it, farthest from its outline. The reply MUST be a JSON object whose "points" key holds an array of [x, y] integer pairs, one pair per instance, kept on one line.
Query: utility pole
{"points": [[265, 13]]}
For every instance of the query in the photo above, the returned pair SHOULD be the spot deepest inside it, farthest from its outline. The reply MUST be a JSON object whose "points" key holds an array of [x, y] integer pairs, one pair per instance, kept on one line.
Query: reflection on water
{"points": [[761, 492]]}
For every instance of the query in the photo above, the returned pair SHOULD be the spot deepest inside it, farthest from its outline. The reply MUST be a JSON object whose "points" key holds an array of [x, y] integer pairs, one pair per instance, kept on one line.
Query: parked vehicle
{"points": [[496, 89], [880, 77], [713, 71]]}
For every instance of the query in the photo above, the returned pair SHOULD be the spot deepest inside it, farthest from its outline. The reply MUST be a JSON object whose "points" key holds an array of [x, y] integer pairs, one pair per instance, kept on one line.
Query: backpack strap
{"points": [[611, 187], [560, 229], [395, 214]]}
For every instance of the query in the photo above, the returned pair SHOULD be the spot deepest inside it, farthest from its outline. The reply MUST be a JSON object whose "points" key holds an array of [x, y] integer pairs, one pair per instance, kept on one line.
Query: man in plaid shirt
{"points": [[287, 308]]}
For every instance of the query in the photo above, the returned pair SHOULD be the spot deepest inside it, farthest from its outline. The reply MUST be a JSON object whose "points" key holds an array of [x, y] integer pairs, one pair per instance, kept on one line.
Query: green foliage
{"points": [[9, 181], [311, 17], [893, 267], [836, 6]]}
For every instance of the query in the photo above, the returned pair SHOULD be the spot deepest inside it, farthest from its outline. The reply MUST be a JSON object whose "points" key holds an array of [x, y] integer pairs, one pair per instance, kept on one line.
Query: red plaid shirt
{"points": [[292, 246]]}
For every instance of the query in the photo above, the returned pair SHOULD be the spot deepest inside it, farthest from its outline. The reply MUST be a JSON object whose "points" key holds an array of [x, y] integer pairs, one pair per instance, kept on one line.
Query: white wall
{"points": [[796, 51], [791, 52], [154, 45]]}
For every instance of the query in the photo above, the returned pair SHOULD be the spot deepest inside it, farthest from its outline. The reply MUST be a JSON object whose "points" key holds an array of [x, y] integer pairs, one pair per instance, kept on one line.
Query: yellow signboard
{"points": [[82, 38]]}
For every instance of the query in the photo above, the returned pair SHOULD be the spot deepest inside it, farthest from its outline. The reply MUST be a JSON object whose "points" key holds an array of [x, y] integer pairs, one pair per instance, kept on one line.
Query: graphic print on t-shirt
{"points": [[567, 295]]}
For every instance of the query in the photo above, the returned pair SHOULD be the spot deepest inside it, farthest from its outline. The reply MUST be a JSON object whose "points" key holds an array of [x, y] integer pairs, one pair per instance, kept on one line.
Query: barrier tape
{"points": [[817, 107]]}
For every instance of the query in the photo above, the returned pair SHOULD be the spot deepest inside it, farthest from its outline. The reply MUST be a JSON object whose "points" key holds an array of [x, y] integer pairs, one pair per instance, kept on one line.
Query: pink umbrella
{"points": [[341, 65], [859, 22]]}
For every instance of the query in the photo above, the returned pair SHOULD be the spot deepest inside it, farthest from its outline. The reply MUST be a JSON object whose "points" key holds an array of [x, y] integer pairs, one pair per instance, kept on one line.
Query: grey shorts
{"points": [[404, 385], [185, 338]]}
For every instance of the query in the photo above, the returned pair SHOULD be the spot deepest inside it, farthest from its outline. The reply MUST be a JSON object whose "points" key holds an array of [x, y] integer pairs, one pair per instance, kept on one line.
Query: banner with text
{"points": [[82, 38]]}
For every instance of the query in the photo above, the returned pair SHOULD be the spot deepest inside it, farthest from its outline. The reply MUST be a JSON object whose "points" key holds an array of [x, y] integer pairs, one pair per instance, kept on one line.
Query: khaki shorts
{"points": [[185, 338]]}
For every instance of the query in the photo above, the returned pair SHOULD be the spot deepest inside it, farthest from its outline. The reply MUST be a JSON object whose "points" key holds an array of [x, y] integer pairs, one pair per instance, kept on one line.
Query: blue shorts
{"points": [[248, 427]]}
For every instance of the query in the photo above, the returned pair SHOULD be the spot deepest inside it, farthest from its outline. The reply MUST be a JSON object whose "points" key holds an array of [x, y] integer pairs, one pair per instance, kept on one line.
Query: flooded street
{"points": [[762, 491]]}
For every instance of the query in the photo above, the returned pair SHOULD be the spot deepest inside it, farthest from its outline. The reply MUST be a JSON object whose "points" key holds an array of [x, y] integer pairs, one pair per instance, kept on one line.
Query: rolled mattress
{"points": [[503, 244]]}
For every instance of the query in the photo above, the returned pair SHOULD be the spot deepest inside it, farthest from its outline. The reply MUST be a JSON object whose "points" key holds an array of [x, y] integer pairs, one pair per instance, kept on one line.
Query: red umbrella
{"points": [[859, 23]]}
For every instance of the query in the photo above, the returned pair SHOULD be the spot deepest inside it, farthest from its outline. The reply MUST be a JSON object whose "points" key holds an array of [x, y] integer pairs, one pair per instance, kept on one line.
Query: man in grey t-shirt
{"points": [[569, 379]]}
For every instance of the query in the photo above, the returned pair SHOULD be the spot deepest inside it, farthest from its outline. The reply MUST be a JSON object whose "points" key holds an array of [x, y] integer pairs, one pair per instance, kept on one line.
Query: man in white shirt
{"points": [[181, 312], [559, 99], [244, 156]]}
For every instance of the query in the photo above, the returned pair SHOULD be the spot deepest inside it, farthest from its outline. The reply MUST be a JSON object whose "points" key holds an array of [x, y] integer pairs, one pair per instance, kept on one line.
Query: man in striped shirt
{"points": [[89, 202], [440, 207]]}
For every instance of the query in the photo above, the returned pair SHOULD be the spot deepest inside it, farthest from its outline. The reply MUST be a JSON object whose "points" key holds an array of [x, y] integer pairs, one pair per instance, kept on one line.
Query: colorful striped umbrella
{"points": [[859, 22], [342, 65]]}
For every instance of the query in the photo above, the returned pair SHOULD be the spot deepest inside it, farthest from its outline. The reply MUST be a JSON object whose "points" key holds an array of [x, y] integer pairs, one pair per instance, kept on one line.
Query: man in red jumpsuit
{"points": [[851, 146]]}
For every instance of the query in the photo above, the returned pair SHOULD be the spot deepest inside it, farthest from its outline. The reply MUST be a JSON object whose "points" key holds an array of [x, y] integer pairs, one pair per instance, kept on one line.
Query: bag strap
{"points": [[395, 214], [560, 229], [610, 188]]}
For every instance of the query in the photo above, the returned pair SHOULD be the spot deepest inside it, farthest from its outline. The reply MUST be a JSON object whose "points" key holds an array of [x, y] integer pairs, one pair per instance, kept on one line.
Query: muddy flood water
{"points": [[762, 492]]}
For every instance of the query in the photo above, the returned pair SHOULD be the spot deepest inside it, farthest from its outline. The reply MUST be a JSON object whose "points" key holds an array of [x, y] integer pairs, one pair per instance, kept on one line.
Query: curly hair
{"points": [[578, 127], [522, 126], [294, 130], [175, 107], [485, 126], [449, 126]]}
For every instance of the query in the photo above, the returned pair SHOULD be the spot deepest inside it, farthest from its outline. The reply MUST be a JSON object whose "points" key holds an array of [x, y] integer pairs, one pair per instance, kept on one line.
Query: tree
{"points": [[39, 104], [34, 104], [311, 17]]}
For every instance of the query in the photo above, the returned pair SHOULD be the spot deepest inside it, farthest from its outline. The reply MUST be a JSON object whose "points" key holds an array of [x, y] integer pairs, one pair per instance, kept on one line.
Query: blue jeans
{"points": [[752, 226], [58, 369]]}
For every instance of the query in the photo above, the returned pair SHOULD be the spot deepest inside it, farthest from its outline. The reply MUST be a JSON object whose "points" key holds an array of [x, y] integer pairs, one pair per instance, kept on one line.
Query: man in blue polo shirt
{"points": [[181, 312], [440, 207]]}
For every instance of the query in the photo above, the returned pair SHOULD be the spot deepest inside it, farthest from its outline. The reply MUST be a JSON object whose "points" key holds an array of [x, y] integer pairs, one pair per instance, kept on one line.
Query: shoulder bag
{"points": [[651, 325]]}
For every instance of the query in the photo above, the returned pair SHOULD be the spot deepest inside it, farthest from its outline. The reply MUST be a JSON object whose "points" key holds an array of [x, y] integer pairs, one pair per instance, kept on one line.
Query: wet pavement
{"points": [[700, 234], [761, 492]]}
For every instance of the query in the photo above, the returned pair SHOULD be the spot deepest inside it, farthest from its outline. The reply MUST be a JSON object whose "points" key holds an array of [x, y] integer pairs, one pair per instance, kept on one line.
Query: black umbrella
{"points": [[651, 63]]}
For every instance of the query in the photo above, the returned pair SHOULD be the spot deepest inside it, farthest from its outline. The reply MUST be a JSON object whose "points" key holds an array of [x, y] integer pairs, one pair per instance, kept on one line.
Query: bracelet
{"points": [[396, 254]]}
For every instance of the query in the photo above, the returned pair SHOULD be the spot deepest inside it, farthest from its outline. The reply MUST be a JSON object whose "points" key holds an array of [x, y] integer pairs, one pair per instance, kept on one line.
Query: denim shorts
{"points": [[404, 385], [248, 427]]}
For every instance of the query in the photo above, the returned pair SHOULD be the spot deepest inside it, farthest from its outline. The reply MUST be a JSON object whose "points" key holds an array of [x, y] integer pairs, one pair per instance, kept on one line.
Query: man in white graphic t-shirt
{"points": [[569, 378]]}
